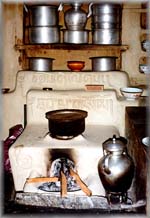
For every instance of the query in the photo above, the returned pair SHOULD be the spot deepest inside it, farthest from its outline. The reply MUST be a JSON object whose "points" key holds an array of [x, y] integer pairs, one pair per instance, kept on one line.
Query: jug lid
{"points": [[115, 144]]}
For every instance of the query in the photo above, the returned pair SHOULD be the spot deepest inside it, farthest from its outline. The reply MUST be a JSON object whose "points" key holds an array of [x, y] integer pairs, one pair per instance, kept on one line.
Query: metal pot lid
{"points": [[108, 5], [40, 58], [115, 144], [66, 115], [104, 57]]}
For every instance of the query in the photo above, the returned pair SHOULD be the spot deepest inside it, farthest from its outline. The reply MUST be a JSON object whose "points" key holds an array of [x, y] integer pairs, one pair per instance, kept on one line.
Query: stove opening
{"points": [[59, 153], [60, 168]]}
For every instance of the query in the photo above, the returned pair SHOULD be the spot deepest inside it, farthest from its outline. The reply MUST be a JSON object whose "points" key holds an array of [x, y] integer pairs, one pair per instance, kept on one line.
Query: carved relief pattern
{"points": [[96, 105]]}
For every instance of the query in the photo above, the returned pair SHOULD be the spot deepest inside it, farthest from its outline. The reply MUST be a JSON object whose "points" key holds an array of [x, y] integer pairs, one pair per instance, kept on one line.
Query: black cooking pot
{"points": [[66, 123]]}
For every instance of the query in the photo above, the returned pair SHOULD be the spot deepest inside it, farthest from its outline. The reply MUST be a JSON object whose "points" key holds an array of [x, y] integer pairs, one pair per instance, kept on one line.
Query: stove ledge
{"points": [[74, 202]]}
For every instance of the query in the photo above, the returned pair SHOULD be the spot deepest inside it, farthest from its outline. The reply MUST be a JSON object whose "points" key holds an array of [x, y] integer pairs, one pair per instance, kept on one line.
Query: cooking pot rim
{"points": [[107, 3], [43, 5], [75, 61], [83, 113], [38, 58], [103, 57]]}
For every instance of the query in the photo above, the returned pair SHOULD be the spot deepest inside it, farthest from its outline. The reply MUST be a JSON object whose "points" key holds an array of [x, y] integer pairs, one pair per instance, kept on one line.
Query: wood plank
{"points": [[64, 46], [63, 181]]}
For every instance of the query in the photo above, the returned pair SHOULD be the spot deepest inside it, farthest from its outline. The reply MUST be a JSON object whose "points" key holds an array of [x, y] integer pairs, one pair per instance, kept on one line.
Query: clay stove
{"points": [[34, 155]]}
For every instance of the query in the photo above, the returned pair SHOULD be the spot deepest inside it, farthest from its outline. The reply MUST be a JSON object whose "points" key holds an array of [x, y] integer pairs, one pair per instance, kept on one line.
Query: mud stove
{"points": [[62, 172]]}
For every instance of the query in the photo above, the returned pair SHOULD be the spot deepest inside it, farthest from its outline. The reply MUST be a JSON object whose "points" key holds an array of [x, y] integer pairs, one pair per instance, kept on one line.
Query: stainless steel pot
{"points": [[103, 63], [66, 123], [76, 36], [40, 64], [106, 36], [106, 16], [41, 35], [113, 20], [107, 8], [105, 25], [43, 15]]}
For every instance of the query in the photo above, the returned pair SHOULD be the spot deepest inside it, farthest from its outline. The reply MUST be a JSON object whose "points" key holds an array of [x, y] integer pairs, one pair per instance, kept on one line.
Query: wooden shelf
{"points": [[66, 51], [137, 10], [63, 46]]}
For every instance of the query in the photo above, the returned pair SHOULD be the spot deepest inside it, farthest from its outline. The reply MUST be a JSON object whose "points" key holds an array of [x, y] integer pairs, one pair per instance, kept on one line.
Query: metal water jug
{"points": [[116, 167], [75, 17]]}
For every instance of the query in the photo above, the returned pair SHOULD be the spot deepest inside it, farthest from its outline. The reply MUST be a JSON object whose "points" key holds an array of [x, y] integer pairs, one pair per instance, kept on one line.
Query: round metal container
{"points": [[106, 15], [105, 25], [76, 36], [106, 36], [107, 18], [66, 123], [42, 35], [40, 64], [43, 15], [106, 8], [103, 63]]}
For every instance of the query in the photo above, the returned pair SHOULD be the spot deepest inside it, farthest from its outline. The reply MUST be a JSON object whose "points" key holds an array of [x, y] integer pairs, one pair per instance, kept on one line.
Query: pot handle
{"points": [[60, 7], [106, 165], [26, 8], [90, 10]]}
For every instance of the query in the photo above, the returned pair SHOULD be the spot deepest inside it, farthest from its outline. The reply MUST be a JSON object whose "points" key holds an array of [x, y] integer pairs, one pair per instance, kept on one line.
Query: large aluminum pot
{"points": [[66, 123], [106, 15], [42, 35], [103, 63], [76, 36], [43, 15], [106, 36], [40, 64]]}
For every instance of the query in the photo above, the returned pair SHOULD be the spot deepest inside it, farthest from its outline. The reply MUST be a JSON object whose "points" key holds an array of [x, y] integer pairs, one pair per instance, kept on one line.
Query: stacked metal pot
{"points": [[106, 23], [43, 24], [75, 21], [103, 63], [41, 64]]}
